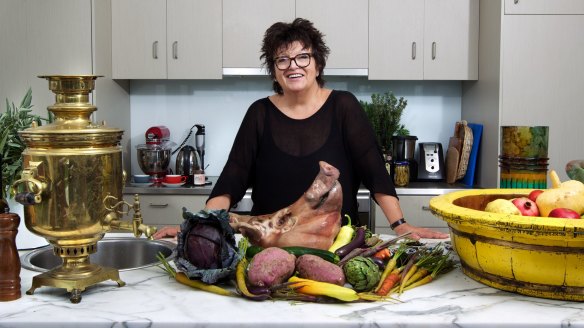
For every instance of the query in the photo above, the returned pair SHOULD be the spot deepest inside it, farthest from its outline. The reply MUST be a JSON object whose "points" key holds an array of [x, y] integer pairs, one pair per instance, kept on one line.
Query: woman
{"points": [[284, 136]]}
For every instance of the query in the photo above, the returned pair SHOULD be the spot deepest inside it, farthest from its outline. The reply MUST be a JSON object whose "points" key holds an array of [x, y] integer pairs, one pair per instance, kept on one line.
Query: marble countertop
{"points": [[151, 299]]}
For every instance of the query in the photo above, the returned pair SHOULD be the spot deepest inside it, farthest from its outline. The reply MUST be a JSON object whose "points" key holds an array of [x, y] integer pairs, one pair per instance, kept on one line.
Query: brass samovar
{"points": [[71, 186]]}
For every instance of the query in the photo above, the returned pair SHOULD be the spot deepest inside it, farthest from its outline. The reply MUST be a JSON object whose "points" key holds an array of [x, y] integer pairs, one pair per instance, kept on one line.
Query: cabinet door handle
{"points": [[413, 50], [155, 49], [433, 50], [426, 208], [158, 205], [175, 50]]}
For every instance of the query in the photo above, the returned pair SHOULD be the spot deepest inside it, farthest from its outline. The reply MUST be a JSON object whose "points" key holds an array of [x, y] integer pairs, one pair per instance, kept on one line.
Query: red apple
{"points": [[565, 213], [533, 195], [526, 206]]}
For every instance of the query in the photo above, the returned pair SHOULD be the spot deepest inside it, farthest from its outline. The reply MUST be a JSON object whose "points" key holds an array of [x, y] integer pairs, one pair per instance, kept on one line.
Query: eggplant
{"points": [[358, 241]]}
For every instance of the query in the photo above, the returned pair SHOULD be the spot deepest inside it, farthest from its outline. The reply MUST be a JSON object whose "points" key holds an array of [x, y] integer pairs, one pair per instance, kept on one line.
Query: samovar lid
{"points": [[71, 125]]}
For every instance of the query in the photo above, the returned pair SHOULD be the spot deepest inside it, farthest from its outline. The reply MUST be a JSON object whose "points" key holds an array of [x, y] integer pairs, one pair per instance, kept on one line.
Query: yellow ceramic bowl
{"points": [[535, 256]]}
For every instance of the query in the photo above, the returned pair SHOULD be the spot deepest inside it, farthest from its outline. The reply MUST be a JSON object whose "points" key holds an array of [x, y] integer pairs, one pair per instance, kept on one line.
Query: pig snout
{"points": [[323, 185]]}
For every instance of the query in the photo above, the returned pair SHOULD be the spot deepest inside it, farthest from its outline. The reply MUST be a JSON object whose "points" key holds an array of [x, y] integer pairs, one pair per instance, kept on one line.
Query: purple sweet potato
{"points": [[270, 267], [313, 267]]}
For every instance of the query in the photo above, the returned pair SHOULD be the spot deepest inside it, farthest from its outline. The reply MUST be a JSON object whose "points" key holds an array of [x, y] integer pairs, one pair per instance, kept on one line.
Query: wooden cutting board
{"points": [[452, 157]]}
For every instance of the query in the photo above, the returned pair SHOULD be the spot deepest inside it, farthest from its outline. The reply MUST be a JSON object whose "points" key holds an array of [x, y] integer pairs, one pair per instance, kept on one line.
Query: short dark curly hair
{"points": [[283, 34]]}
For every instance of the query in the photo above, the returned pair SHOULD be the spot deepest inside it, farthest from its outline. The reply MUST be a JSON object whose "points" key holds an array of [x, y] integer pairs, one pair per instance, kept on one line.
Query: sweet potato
{"points": [[270, 267], [315, 268]]}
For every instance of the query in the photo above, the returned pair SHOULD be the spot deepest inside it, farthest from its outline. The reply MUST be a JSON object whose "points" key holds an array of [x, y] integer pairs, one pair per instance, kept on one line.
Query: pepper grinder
{"points": [[10, 263]]}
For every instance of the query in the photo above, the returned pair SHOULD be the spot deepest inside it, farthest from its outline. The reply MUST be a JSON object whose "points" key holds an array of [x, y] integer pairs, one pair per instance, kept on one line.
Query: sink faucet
{"points": [[137, 225]]}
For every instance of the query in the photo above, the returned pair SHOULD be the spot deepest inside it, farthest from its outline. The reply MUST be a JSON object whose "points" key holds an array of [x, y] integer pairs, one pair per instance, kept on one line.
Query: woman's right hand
{"points": [[167, 232]]}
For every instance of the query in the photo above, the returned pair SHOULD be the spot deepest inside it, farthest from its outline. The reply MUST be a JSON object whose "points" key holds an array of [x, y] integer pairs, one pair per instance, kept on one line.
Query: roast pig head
{"points": [[312, 221]]}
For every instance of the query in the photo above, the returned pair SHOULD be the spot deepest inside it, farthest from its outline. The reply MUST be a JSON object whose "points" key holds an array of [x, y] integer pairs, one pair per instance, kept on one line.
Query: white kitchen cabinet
{"points": [[42, 38], [343, 22], [345, 28], [545, 7], [244, 25], [416, 209], [532, 74], [423, 39], [159, 39], [165, 210], [61, 37]]}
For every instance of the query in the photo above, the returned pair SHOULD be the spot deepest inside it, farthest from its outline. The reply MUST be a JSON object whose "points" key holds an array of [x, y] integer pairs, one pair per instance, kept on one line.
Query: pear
{"points": [[503, 206]]}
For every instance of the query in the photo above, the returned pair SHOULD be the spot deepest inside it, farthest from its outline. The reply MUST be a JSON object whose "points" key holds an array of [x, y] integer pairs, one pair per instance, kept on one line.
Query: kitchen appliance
{"points": [[403, 149], [71, 187], [154, 156], [431, 162], [200, 144], [187, 163]]}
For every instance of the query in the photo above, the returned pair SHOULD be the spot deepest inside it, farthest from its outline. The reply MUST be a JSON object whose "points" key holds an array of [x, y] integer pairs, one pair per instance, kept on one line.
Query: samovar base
{"points": [[61, 277]]}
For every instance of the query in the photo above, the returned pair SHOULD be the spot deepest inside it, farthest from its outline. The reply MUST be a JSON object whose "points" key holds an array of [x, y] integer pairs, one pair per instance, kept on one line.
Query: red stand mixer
{"points": [[154, 155]]}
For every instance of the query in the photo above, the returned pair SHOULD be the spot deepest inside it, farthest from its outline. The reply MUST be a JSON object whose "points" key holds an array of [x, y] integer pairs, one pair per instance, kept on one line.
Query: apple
{"points": [[526, 206], [533, 195], [565, 213]]}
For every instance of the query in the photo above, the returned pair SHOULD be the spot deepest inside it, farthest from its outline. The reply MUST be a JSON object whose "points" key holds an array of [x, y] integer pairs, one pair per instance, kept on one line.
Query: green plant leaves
{"points": [[385, 112], [14, 119]]}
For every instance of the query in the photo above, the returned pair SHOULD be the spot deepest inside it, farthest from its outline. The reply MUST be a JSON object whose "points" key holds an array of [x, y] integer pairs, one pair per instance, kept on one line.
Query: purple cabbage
{"points": [[206, 247]]}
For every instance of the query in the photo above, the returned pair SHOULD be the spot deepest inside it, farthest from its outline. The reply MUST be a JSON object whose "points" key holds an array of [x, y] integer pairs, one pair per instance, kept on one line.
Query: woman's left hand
{"points": [[418, 232]]}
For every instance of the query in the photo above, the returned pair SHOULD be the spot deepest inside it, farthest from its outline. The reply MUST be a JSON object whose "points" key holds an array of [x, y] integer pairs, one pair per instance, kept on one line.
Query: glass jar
{"points": [[401, 176]]}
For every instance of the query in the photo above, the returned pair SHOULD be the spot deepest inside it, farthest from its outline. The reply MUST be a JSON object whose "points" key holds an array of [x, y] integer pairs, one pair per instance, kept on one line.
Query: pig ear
{"points": [[247, 230], [283, 220]]}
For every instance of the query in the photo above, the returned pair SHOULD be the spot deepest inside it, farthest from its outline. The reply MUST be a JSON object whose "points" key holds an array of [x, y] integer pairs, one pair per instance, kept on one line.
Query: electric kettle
{"points": [[187, 162]]}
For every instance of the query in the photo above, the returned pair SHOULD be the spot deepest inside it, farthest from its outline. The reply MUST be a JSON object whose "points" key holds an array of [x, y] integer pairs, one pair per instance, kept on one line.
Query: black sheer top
{"points": [[278, 156]]}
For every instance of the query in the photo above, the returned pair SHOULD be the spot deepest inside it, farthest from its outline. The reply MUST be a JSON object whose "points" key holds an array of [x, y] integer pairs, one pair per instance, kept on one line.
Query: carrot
{"points": [[426, 258], [383, 254], [420, 273], [444, 264], [408, 268], [390, 281], [183, 279], [391, 264]]}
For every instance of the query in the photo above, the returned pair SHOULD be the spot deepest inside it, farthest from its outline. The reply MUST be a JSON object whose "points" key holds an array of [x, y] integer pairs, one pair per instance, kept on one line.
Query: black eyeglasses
{"points": [[302, 60]]}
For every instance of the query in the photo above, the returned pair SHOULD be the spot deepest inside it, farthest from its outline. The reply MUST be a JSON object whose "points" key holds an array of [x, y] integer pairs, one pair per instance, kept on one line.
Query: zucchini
{"points": [[252, 250]]}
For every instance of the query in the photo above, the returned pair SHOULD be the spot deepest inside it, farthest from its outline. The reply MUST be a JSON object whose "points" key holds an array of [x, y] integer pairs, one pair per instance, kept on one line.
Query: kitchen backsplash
{"points": [[433, 108]]}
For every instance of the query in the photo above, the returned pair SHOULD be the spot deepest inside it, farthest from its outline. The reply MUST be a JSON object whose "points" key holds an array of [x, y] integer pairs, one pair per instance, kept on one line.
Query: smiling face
{"points": [[295, 78]]}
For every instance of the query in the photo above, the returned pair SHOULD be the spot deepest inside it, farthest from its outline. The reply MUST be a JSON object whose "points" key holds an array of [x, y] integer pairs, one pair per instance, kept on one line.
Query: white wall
{"points": [[433, 108]]}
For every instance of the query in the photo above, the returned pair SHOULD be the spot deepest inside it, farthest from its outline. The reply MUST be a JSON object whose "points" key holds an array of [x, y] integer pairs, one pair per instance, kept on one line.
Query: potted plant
{"points": [[385, 112], [14, 119]]}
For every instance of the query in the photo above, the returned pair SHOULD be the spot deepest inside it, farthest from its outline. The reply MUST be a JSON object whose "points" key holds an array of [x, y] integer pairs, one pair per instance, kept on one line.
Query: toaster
{"points": [[431, 162]]}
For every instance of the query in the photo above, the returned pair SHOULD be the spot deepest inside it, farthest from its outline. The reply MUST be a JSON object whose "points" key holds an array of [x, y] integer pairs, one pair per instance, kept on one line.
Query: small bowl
{"points": [[141, 178]]}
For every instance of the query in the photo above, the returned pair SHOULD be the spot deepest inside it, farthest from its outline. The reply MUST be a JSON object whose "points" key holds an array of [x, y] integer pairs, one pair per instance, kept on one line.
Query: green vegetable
{"points": [[362, 273], [297, 251]]}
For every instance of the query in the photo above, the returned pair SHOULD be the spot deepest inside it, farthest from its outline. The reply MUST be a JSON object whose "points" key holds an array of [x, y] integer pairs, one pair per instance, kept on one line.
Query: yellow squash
{"points": [[568, 194]]}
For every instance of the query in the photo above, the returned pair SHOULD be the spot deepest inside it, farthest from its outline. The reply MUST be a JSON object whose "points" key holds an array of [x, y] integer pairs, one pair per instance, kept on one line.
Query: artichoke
{"points": [[206, 246], [362, 273]]}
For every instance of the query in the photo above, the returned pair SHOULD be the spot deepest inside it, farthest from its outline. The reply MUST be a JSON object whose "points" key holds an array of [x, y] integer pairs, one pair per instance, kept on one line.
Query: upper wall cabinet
{"points": [[544, 7], [423, 39], [343, 22], [159, 39], [345, 28], [242, 34]]}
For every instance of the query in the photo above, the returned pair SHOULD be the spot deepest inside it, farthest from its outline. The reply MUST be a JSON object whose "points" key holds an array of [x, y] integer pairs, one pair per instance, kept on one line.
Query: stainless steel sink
{"points": [[116, 252]]}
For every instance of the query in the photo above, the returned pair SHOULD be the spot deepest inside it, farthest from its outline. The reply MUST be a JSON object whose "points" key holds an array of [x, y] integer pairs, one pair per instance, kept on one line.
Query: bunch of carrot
{"points": [[420, 268]]}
